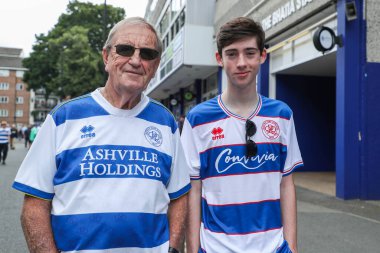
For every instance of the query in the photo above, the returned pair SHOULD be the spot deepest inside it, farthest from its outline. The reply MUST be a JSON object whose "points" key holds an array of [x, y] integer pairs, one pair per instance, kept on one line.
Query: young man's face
{"points": [[241, 61]]}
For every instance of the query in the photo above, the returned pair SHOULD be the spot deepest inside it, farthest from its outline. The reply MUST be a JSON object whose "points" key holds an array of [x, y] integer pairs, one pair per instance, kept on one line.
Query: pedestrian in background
{"points": [[13, 135], [242, 148], [33, 134], [107, 172], [5, 133]]}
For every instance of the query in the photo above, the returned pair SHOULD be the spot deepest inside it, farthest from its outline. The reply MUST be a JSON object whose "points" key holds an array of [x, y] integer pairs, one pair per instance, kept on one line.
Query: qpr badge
{"points": [[153, 136], [270, 129]]}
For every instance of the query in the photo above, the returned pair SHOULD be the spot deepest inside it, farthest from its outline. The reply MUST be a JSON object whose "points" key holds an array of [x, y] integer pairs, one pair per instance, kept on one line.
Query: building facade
{"points": [[14, 96], [333, 93]]}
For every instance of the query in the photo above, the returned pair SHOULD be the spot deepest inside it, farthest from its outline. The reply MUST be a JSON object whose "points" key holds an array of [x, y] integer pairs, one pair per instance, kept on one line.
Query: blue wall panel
{"points": [[312, 100], [350, 58], [371, 133], [263, 78]]}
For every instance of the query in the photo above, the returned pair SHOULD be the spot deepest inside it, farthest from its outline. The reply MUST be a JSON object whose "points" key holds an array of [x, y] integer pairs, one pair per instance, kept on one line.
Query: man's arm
{"points": [[177, 215], [193, 223], [35, 221], [289, 211]]}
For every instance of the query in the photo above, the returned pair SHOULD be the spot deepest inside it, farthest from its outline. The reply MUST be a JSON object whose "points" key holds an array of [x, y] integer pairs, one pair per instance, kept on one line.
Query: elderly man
{"points": [[106, 172]]}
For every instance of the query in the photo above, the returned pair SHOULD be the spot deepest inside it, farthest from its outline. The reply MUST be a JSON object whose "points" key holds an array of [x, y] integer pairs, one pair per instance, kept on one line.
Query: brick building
{"points": [[14, 96]]}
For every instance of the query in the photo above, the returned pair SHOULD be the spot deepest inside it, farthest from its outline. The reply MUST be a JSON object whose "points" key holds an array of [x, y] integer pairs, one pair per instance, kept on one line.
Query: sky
{"points": [[20, 20]]}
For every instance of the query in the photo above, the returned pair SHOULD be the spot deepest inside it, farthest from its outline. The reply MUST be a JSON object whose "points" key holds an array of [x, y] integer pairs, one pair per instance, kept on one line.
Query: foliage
{"points": [[67, 61]]}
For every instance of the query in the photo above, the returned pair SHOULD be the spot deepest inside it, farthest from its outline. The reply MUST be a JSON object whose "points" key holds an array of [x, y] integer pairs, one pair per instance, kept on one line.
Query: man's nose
{"points": [[242, 61], [135, 58]]}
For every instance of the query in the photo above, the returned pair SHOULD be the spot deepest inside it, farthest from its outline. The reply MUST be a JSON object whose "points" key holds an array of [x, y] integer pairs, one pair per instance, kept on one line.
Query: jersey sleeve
{"points": [[293, 156], [179, 183], [36, 173], [191, 151]]}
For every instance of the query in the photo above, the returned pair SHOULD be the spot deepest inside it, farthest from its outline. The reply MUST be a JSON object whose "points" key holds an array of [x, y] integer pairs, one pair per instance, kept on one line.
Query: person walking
{"points": [[5, 134], [242, 149], [107, 171], [13, 136]]}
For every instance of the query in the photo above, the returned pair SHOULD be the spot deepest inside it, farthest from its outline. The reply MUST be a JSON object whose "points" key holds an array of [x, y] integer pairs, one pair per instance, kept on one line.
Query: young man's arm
{"points": [[36, 224], [193, 223], [177, 216], [289, 211]]}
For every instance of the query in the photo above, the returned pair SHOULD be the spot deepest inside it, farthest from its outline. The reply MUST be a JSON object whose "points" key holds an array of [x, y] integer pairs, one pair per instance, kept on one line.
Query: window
{"points": [[3, 113], [51, 102], [19, 86], [4, 72], [19, 113], [19, 100], [4, 86], [176, 7], [164, 24], [20, 73], [4, 99]]}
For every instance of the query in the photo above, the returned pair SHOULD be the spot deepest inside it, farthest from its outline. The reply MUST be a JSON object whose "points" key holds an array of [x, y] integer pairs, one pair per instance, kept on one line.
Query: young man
{"points": [[107, 172], [242, 149]]}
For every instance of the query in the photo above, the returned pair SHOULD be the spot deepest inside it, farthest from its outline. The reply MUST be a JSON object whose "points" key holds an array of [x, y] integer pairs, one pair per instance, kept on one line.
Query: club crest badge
{"points": [[270, 129], [153, 136]]}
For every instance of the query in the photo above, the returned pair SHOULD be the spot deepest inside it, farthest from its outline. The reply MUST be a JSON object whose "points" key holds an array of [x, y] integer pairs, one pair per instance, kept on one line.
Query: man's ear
{"points": [[263, 56], [219, 59], [105, 58]]}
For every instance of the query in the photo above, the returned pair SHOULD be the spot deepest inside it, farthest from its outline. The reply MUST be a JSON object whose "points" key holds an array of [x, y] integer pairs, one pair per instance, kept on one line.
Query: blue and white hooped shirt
{"points": [[110, 174], [240, 196]]}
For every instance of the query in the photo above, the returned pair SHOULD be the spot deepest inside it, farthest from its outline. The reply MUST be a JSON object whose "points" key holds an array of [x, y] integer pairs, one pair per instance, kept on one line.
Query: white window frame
{"points": [[20, 73], [19, 100], [19, 86], [4, 86], [4, 72], [4, 113], [19, 113], [4, 99]]}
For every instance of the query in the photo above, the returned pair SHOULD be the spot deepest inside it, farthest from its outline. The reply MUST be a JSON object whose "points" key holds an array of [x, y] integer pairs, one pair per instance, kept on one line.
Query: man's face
{"points": [[241, 61], [131, 74]]}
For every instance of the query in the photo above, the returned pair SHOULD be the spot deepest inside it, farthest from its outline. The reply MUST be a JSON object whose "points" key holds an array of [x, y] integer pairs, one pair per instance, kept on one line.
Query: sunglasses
{"points": [[250, 145], [145, 53]]}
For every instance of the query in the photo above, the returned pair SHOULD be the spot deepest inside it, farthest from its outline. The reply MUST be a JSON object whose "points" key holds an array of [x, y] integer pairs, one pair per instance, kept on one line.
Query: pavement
{"points": [[325, 223]]}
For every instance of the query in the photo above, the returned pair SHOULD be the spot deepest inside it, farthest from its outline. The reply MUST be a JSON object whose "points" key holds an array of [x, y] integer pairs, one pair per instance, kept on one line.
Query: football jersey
{"points": [[5, 132], [240, 203], [110, 174]]}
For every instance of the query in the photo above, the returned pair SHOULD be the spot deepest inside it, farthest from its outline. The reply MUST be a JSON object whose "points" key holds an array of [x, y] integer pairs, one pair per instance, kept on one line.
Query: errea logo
{"points": [[87, 132], [217, 133]]}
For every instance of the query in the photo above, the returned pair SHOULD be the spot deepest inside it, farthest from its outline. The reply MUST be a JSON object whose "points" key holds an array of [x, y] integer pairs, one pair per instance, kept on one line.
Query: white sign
{"points": [[283, 13]]}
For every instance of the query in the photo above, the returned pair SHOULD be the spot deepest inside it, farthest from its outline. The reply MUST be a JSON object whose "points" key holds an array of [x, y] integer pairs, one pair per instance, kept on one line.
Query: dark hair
{"points": [[237, 29]]}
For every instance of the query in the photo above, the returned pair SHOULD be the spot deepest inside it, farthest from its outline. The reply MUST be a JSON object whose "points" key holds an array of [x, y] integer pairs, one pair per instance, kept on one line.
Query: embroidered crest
{"points": [[270, 129], [153, 136]]}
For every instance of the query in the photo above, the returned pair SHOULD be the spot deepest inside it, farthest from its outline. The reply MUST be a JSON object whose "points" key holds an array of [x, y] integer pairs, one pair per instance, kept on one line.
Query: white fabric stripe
{"points": [[121, 134], [110, 195], [163, 248], [267, 241], [235, 133], [237, 189]]}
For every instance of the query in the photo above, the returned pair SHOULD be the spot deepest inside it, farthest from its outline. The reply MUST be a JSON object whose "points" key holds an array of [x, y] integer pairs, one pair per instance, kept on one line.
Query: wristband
{"points": [[172, 250]]}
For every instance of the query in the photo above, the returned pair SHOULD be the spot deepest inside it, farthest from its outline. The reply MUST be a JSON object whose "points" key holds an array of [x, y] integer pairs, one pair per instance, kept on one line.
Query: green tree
{"points": [[67, 61]]}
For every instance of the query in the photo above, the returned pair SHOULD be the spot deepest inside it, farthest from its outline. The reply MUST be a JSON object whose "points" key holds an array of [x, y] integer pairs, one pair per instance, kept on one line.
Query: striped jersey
{"points": [[110, 174], [240, 196], [5, 132]]}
